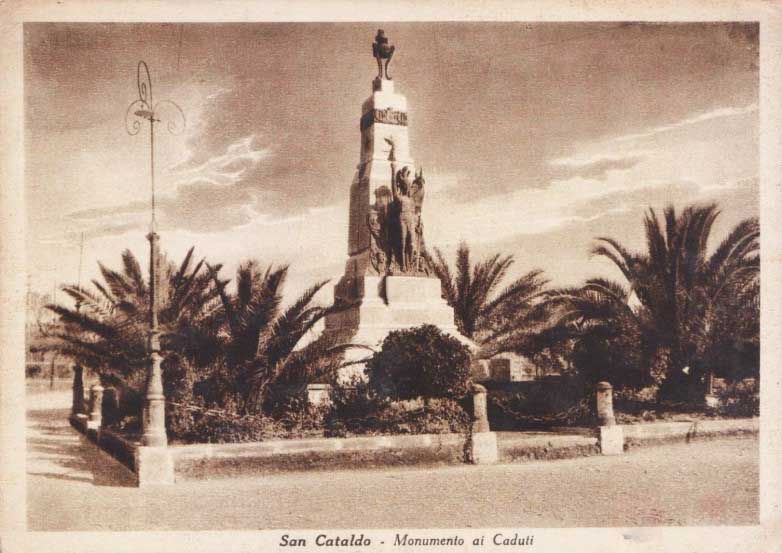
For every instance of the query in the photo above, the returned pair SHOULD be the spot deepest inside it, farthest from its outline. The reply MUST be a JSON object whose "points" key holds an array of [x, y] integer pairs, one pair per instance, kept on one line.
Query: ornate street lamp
{"points": [[140, 110]]}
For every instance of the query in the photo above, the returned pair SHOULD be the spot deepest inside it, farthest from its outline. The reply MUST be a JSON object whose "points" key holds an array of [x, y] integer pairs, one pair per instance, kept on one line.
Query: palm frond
{"points": [[524, 289], [133, 273], [83, 321], [443, 272], [117, 283], [617, 254]]}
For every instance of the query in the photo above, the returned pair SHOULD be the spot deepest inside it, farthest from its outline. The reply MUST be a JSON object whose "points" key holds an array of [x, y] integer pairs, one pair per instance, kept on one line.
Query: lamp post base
{"points": [[155, 407], [154, 466], [155, 423]]}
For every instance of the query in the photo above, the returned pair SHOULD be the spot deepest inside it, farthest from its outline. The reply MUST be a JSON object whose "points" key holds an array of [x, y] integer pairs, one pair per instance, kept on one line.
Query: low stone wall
{"points": [[118, 447], [547, 447], [207, 461], [122, 449], [224, 460], [663, 432], [168, 463], [156, 465], [527, 447], [79, 422]]}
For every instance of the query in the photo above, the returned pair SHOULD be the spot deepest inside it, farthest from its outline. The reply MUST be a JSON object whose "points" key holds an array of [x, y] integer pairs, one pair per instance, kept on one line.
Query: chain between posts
{"points": [[572, 414]]}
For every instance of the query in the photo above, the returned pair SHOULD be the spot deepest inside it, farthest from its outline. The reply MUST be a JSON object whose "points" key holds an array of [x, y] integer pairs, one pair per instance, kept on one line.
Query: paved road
{"points": [[74, 486]]}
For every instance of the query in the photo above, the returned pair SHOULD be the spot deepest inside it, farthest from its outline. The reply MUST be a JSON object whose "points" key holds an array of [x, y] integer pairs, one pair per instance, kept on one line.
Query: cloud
{"points": [[751, 181], [223, 170], [207, 197], [112, 229], [655, 192], [596, 167], [527, 211], [101, 212], [207, 207], [718, 113]]}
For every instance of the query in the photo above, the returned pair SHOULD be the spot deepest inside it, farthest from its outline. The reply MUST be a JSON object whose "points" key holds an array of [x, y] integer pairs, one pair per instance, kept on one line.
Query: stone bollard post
{"points": [[318, 394], [484, 441], [77, 405], [479, 407], [605, 404], [110, 404], [611, 435], [711, 399], [96, 404]]}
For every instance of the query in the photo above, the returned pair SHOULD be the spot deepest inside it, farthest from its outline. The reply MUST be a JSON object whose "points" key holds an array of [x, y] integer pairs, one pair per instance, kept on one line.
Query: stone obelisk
{"points": [[387, 284]]}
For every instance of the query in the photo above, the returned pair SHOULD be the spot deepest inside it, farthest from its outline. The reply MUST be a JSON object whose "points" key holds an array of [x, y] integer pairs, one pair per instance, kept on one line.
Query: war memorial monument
{"points": [[388, 283]]}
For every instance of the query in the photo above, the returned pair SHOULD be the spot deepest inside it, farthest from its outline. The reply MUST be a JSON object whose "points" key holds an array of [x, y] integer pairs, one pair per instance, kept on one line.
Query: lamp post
{"points": [[140, 110], [77, 405]]}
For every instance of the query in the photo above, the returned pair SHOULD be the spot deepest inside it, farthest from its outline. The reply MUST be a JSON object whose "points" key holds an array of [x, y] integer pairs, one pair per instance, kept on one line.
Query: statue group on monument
{"points": [[395, 223]]}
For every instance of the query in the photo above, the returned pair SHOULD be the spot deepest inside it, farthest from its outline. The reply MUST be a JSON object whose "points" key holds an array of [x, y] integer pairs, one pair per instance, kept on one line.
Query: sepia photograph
{"points": [[366, 284]]}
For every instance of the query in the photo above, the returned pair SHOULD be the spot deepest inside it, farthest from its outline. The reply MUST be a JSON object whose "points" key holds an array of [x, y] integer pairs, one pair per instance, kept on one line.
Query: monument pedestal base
{"points": [[389, 303]]}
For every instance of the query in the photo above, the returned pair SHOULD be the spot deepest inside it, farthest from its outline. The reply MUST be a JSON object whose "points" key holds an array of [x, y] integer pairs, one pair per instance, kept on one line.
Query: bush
{"points": [[202, 411], [213, 426], [179, 377], [420, 362], [201, 408], [356, 409], [353, 401], [740, 399]]}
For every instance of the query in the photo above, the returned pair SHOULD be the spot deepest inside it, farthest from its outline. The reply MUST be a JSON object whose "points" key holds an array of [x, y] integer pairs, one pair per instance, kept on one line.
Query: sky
{"points": [[534, 138]]}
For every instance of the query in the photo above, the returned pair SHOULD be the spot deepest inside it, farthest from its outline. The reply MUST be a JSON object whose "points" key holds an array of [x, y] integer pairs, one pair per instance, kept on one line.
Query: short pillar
{"points": [[96, 404], [77, 405], [318, 394], [479, 408], [605, 404], [110, 404], [711, 399], [484, 441], [611, 436]]}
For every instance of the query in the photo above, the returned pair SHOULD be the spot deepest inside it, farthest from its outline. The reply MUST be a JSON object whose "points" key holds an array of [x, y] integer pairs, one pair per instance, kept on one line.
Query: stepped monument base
{"points": [[389, 303]]}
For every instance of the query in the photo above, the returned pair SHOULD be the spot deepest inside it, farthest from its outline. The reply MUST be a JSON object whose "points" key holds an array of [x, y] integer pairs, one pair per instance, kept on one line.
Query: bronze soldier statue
{"points": [[408, 196]]}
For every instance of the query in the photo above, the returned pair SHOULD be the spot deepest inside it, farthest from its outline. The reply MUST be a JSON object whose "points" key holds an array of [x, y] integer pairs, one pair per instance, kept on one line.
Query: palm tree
{"points": [[499, 320], [107, 330], [690, 300], [603, 332], [262, 341], [216, 346]]}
